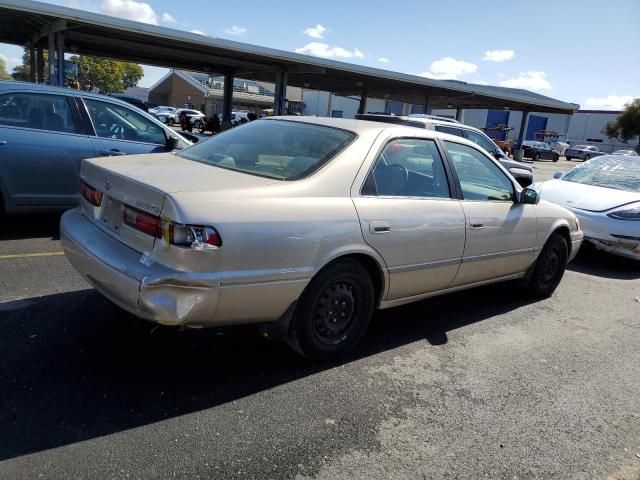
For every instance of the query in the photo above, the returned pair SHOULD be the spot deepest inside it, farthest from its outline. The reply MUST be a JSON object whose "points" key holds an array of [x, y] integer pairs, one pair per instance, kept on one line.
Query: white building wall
{"points": [[588, 125]]}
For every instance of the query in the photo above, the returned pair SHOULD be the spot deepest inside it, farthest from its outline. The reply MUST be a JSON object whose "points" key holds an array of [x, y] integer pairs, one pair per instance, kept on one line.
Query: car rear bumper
{"points": [[166, 296]]}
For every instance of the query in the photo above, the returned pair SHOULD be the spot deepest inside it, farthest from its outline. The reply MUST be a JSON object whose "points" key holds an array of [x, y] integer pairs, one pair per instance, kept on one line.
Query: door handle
{"points": [[475, 225], [3, 142], [112, 153], [379, 226]]}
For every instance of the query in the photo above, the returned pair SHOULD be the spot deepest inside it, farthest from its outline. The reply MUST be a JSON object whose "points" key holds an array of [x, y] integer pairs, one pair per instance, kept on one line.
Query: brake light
{"points": [[191, 236], [93, 196], [142, 221]]}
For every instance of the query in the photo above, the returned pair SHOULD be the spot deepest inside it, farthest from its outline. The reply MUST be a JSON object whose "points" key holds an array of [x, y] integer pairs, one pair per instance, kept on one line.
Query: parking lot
{"points": [[480, 384]]}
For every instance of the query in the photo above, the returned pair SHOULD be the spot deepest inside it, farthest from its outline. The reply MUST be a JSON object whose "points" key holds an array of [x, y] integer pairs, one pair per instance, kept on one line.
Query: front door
{"points": [[408, 216], [501, 233], [122, 131], [40, 149]]}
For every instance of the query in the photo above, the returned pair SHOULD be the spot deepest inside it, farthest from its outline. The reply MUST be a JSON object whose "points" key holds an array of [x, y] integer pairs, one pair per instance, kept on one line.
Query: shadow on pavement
{"points": [[601, 264], [75, 367], [17, 227]]}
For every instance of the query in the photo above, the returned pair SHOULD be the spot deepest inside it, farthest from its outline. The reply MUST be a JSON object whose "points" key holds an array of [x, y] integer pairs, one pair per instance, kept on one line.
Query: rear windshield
{"points": [[621, 173], [272, 148]]}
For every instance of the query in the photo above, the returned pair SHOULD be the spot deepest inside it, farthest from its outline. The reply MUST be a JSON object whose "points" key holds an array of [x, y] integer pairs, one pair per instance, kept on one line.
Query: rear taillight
{"points": [[191, 236], [93, 196], [142, 221]]}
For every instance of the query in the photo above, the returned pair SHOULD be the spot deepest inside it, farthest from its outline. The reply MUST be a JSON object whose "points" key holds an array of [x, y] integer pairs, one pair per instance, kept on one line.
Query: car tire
{"points": [[549, 267], [568, 159], [556, 157], [170, 121], [536, 157], [586, 157], [333, 312]]}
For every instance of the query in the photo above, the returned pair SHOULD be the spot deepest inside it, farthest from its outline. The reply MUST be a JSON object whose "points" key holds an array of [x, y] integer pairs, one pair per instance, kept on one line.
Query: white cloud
{"points": [[10, 62], [498, 55], [198, 32], [384, 60], [315, 32], [319, 49], [129, 9], [612, 102], [168, 18], [235, 30], [531, 80], [449, 68]]}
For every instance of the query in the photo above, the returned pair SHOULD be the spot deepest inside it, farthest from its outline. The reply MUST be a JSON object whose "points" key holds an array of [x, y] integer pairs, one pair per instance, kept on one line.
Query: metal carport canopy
{"points": [[25, 21]]}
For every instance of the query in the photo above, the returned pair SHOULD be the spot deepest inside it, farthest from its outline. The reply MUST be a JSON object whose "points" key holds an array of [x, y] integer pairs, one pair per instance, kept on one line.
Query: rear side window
{"points": [[481, 141], [450, 130], [279, 149], [408, 168], [37, 111]]}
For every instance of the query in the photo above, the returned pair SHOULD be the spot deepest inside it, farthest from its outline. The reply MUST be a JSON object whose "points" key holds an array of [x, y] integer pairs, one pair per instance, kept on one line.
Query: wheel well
{"points": [[372, 267], [564, 231]]}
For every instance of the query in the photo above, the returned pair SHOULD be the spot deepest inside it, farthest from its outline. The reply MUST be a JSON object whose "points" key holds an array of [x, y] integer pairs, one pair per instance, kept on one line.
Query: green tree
{"points": [[108, 76], [627, 125], [22, 72], [4, 75]]}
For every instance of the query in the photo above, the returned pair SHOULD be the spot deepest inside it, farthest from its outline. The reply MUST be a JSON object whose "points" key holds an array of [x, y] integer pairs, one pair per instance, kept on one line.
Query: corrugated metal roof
{"points": [[96, 34]]}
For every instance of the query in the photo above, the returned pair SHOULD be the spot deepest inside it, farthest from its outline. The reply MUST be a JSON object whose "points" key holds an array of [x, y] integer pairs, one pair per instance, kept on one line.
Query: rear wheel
{"points": [[586, 157], [549, 267], [568, 159], [556, 157], [536, 157], [334, 311]]}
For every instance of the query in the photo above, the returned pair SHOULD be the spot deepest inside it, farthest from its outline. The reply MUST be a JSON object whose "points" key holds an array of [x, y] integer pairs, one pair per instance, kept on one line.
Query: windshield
{"points": [[272, 148], [620, 173]]}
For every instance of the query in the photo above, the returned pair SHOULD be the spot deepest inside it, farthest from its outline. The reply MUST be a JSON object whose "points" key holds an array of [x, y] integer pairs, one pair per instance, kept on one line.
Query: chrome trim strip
{"points": [[424, 266], [490, 256]]}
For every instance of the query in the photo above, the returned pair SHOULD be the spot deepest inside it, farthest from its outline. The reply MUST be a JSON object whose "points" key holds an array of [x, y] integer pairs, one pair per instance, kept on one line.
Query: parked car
{"points": [[604, 193], [627, 153], [560, 147], [539, 151], [131, 100], [163, 113], [522, 172], [192, 115], [45, 132], [306, 225], [583, 152]]}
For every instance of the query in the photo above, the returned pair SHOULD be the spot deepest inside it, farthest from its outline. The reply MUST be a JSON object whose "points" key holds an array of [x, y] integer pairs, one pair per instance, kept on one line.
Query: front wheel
{"points": [[170, 122], [587, 157], [536, 157], [334, 311], [549, 267]]}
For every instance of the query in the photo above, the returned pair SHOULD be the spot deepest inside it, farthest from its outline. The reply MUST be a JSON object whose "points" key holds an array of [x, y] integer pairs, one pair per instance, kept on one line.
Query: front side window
{"points": [[280, 149], [481, 141], [450, 130], [121, 123], [408, 167], [480, 178], [37, 111]]}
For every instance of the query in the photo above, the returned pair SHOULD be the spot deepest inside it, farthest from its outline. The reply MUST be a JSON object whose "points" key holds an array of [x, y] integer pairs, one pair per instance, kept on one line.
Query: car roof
{"points": [[362, 126], [39, 87], [409, 119]]}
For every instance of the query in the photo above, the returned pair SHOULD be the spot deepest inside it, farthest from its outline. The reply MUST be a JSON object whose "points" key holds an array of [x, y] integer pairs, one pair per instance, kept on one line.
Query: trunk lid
{"points": [[143, 181]]}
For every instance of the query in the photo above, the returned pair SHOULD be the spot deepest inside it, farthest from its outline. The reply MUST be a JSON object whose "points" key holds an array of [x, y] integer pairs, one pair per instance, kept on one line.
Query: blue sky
{"points": [[587, 52]]}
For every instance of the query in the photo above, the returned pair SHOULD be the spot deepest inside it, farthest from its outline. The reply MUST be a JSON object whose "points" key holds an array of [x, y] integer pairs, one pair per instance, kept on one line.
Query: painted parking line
{"points": [[31, 255]]}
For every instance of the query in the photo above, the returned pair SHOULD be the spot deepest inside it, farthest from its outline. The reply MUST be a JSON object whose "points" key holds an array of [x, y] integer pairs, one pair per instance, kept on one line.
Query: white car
{"points": [[626, 153], [604, 193], [192, 115], [307, 225]]}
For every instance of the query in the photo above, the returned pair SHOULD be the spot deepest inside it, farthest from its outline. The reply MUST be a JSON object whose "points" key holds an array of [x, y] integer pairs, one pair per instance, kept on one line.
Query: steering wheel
{"points": [[116, 131]]}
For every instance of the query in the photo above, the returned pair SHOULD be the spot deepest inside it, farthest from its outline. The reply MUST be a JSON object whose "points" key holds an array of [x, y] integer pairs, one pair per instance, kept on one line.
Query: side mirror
{"points": [[192, 138], [172, 142], [529, 196], [558, 174]]}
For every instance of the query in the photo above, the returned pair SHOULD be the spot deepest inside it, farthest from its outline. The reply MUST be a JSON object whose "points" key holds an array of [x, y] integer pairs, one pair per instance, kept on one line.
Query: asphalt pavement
{"points": [[480, 384]]}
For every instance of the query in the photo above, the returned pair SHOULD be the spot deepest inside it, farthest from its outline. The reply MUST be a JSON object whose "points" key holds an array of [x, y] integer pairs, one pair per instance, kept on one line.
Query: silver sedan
{"points": [[605, 195], [306, 225]]}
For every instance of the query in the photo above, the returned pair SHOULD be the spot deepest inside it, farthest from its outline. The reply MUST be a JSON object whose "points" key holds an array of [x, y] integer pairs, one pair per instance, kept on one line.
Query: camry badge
{"points": [[107, 183]]}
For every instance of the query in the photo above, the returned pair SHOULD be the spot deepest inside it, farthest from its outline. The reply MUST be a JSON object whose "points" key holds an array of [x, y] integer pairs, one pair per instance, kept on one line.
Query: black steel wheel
{"points": [[334, 311], [549, 267]]}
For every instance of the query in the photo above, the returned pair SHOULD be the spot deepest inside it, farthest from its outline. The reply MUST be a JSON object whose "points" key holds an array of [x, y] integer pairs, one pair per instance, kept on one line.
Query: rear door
{"points": [[41, 146], [408, 216], [120, 130]]}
